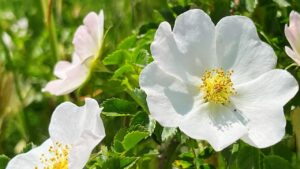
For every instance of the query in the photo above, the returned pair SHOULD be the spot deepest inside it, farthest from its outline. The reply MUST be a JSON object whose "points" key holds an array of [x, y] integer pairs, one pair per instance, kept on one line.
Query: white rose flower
{"points": [[87, 42], [74, 132], [217, 83], [292, 33]]}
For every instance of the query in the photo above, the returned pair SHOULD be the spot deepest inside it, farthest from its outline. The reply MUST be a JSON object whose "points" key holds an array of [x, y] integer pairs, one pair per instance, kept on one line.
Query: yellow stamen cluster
{"points": [[57, 158], [217, 86]]}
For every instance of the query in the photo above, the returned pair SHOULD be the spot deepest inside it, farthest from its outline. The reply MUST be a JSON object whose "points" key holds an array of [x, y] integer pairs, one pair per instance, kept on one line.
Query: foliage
{"points": [[34, 36]]}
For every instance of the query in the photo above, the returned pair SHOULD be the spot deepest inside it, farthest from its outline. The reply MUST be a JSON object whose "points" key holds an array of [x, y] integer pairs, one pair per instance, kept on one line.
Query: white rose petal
{"points": [[88, 37], [292, 33], [72, 76], [240, 49], [261, 101], [183, 52], [217, 124], [95, 24], [168, 98]]}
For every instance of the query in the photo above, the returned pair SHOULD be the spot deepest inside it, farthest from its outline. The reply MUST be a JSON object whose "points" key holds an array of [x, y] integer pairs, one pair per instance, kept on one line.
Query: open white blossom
{"points": [[74, 132], [217, 83], [292, 33], [87, 43]]}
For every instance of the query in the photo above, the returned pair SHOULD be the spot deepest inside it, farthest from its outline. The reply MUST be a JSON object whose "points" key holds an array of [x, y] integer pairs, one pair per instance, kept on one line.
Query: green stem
{"points": [[193, 146], [169, 155], [11, 66], [195, 158], [220, 163], [259, 159], [21, 116], [290, 66], [53, 38], [49, 22], [92, 66]]}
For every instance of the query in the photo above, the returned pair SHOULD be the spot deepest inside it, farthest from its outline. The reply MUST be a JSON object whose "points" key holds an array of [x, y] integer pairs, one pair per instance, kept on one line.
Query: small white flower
{"points": [[87, 42], [74, 132], [7, 40], [88, 37], [217, 83], [20, 27], [71, 76], [292, 33]]}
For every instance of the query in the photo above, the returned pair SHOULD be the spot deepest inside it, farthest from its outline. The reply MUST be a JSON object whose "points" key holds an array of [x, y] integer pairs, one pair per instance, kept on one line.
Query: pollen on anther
{"points": [[56, 158], [217, 86]]}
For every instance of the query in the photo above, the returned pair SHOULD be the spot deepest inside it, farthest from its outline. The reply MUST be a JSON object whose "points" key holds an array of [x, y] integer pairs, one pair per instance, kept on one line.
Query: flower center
{"points": [[57, 158], [217, 86]]}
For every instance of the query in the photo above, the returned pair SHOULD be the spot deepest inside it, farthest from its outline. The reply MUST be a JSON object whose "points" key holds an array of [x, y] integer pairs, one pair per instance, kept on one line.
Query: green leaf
{"points": [[140, 97], [28, 147], [283, 149], [111, 162], [118, 106], [3, 161], [116, 58], [276, 162], [143, 119], [151, 125], [146, 39], [157, 16], [186, 155], [248, 158], [128, 162], [142, 58], [125, 69], [251, 5], [206, 152], [118, 146], [168, 132], [128, 42], [133, 138], [121, 134], [182, 164]]}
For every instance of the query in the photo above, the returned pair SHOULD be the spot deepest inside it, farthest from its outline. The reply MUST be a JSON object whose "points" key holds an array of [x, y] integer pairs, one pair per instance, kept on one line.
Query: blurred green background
{"points": [[31, 45], [35, 34]]}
